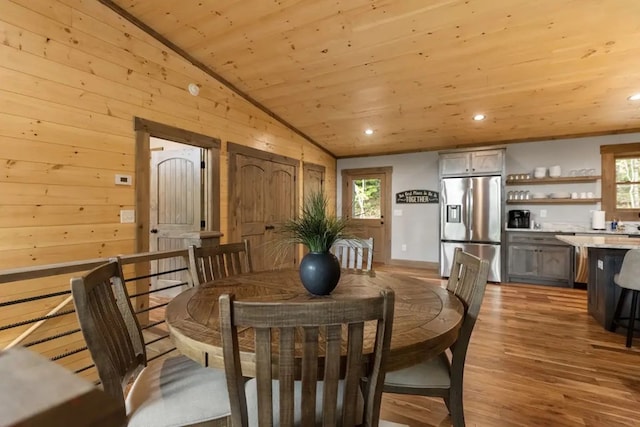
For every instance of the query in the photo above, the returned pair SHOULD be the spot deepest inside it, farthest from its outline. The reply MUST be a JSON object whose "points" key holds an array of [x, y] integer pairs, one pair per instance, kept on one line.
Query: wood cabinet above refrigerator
{"points": [[481, 162]]}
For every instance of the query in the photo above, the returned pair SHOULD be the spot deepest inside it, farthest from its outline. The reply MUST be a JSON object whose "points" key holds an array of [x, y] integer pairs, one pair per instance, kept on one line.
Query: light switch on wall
{"points": [[543, 213], [127, 216], [397, 212]]}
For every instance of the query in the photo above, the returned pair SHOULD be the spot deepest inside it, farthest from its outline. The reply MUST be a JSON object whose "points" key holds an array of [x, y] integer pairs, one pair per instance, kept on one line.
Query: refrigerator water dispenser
{"points": [[453, 213]]}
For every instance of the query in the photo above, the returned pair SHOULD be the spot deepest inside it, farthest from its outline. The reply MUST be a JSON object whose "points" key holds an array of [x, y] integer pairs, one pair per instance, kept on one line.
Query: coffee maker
{"points": [[519, 218]]}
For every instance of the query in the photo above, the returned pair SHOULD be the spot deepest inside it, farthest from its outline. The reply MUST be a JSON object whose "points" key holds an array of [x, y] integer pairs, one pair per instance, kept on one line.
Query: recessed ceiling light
{"points": [[634, 97], [369, 131], [479, 117]]}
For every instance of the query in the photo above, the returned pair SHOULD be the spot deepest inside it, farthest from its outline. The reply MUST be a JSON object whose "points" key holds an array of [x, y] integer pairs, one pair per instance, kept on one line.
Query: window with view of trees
{"points": [[628, 183], [621, 181], [366, 198]]}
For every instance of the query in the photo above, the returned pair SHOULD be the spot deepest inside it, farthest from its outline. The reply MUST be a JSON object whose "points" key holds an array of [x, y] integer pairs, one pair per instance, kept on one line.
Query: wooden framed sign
{"points": [[418, 196]]}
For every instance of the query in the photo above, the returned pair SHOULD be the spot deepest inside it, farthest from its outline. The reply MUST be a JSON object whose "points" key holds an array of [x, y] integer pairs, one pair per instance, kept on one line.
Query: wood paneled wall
{"points": [[73, 75]]}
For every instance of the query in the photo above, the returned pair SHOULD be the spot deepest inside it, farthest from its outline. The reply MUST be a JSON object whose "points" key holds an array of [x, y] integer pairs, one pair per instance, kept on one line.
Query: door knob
{"points": [[154, 230]]}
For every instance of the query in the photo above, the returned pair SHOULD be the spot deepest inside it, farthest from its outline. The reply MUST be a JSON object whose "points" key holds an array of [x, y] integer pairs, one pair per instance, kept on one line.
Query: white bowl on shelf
{"points": [[560, 195], [538, 196], [540, 172]]}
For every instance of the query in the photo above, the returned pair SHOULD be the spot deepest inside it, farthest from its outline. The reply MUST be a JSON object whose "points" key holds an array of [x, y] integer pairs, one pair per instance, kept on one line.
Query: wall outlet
{"points": [[543, 213], [404, 248], [127, 216], [397, 212]]}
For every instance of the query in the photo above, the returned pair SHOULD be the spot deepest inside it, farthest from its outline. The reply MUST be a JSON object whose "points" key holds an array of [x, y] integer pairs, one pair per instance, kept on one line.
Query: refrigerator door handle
{"points": [[470, 207]]}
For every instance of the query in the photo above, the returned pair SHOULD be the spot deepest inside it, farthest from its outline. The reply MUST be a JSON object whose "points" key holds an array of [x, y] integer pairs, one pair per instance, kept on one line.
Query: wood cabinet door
{"points": [[523, 260], [313, 182], [281, 206], [313, 179], [555, 262], [455, 164], [486, 161], [262, 197]]}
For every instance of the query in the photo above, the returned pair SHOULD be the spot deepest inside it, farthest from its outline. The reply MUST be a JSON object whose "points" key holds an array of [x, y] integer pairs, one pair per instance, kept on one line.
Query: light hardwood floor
{"points": [[536, 358]]}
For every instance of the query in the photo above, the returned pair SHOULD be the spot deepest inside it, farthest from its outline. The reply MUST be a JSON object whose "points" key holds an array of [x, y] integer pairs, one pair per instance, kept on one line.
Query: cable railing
{"points": [[56, 333]]}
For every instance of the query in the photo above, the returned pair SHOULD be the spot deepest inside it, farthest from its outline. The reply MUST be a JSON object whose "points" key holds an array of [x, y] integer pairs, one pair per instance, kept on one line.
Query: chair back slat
{"points": [[354, 254], [353, 373], [264, 377], [207, 264], [235, 386], [110, 328], [286, 375], [302, 334], [333, 342], [309, 375]]}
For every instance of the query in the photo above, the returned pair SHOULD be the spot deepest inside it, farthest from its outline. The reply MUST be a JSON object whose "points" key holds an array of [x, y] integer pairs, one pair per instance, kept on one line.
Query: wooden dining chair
{"points": [[210, 263], [175, 391], [312, 330], [354, 254], [443, 376]]}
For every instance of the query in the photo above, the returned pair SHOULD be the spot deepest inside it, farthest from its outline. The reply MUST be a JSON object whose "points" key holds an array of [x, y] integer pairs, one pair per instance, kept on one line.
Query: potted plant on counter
{"points": [[318, 230]]}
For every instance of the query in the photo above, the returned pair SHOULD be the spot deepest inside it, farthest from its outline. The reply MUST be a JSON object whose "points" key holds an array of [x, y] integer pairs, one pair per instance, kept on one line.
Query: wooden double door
{"points": [[262, 195]]}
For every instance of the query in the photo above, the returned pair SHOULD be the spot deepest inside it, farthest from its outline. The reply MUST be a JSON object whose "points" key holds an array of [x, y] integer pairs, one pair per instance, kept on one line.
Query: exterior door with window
{"points": [[366, 199]]}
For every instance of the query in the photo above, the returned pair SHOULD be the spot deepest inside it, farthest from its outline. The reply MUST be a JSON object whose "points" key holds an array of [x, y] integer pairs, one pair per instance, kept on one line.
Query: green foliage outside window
{"points": [[628, 183], [366, 198]]}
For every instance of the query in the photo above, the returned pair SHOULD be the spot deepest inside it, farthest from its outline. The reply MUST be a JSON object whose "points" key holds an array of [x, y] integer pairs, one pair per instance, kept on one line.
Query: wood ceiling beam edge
{"points": [[196, 63]]}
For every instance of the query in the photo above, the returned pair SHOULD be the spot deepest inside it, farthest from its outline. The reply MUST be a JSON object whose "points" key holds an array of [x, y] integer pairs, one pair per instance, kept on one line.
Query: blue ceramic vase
{"points": [[319, 272]]}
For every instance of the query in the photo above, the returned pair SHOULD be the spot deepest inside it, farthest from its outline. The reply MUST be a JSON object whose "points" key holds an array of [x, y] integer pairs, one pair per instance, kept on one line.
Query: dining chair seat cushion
{"points": [[251, 393], [176, 392], [432, 373]]}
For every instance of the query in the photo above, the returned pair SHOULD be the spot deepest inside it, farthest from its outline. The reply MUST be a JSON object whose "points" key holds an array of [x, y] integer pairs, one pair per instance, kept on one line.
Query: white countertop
{"points": [[578, 230], [611, 242]]}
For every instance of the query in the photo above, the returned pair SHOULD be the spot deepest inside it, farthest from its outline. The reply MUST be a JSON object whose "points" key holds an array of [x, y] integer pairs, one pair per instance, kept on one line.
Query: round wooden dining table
{"points": [[427, 317]]}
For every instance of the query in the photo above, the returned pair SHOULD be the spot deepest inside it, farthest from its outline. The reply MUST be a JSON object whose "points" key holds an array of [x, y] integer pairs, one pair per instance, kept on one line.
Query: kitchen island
{"points": [[605, 259]]}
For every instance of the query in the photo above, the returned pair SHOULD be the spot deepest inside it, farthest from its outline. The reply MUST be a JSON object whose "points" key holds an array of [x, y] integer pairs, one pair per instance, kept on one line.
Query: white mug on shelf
{"points": [[583, 195], [574, 195]]}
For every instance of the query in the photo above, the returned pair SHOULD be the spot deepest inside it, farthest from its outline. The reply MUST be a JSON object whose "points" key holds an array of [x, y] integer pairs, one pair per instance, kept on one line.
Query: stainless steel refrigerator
{"points": [[471, 218]]}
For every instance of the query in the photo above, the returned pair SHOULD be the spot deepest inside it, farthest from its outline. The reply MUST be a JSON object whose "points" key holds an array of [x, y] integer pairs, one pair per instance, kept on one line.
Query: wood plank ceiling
{"points": [[416, 71]]}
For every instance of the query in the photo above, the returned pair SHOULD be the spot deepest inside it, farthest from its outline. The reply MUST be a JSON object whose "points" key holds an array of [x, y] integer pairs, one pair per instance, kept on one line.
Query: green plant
{"points": [[315, 228]]}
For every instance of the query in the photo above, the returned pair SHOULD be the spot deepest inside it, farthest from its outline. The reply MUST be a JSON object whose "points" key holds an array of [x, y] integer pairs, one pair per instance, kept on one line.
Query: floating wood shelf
{"points": [[560, 180], [550, 201]]}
